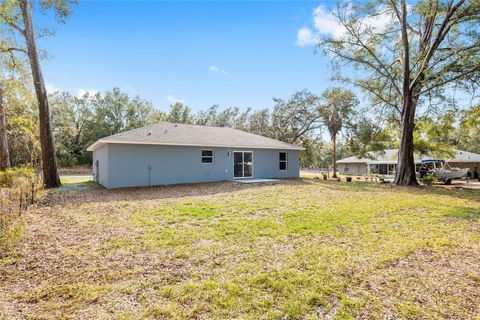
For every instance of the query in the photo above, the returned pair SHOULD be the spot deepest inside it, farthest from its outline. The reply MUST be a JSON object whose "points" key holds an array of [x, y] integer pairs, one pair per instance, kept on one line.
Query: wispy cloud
{"points": [[215, 69], [173, 99], [326, 23], [51, 88], [82, 92]]}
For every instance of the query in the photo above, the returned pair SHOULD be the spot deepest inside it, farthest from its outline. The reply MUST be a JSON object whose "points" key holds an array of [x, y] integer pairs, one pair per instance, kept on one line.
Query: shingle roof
{"points": [[390, 156], [166, 133]]}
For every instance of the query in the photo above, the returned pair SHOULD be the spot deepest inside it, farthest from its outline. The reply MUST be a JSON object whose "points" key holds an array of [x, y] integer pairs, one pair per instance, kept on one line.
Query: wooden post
{"points": [[32, 200]]}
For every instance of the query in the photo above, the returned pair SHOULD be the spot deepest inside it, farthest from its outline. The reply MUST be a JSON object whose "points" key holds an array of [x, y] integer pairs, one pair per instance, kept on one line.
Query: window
{"points": [[207, 156], [282, 161]]}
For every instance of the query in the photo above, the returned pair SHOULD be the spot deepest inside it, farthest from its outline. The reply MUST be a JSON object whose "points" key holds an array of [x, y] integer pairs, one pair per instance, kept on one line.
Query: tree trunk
{"points": [[334, 140], [49, 161], [405, 175], [4, 154]]}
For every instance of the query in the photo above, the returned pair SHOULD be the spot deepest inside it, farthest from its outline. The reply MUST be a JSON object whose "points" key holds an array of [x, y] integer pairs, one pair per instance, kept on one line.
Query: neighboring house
{"points": [[386, 163], [169, 153]]}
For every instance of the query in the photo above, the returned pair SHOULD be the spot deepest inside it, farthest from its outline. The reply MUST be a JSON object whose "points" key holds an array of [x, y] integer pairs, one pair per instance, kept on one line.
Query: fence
{"points": [[14, 201]]}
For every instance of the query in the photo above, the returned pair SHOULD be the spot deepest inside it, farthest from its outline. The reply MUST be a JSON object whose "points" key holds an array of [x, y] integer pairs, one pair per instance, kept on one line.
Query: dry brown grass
{"points": [[291, 250]]}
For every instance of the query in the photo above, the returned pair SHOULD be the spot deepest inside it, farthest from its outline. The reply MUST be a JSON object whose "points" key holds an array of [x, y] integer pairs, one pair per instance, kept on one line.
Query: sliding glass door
{"points": [[242, 164]]}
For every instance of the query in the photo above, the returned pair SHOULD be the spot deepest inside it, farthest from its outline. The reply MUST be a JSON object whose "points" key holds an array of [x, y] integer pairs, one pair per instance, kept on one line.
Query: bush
{"points": [[16, 193], [428, 179], [10, 233], [15, 176]]}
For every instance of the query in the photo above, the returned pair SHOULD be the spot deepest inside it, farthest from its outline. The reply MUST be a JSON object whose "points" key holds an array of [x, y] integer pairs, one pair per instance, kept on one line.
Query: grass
{"points": [[296, 250], [11, 230], [76, 180]]}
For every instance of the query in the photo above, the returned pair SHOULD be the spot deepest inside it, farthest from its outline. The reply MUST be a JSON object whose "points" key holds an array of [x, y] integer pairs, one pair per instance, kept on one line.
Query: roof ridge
{"points": [[171, 133]]}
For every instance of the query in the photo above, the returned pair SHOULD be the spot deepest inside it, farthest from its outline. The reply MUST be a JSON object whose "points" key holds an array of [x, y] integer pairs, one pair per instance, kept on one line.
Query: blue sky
{"points": [[228, 53]]}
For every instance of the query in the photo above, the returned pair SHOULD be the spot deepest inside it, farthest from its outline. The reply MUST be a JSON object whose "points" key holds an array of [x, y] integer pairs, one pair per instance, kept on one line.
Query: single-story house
{"points": [[170, 153], [386, 162]]}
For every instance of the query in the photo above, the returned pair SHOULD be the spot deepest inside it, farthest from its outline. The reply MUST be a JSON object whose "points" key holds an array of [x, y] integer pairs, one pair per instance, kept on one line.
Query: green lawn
{"points": [[75, 179], [294, 250]]}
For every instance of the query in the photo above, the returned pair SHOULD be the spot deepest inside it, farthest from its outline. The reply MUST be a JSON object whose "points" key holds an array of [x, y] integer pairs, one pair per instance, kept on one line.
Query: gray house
{"points": [[386, 162], [170, 153]]}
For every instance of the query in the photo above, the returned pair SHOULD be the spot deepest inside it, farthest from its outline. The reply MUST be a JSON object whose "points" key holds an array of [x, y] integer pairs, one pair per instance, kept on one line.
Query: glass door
{"points": [[238, 164], [242, 164]]}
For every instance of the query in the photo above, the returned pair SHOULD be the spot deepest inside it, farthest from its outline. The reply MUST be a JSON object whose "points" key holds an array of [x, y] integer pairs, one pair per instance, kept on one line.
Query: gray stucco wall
{"points": [[128, 165], [100, 174], [353, 168]]}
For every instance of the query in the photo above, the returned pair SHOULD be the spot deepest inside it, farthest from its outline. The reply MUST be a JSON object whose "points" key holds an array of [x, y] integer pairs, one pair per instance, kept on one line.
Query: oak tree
{"points": [[405, 56]]}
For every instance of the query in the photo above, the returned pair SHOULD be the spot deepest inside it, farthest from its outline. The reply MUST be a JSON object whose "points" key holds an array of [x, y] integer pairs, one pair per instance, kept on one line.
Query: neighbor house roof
{"points": [[166, 133], [390, 156]]}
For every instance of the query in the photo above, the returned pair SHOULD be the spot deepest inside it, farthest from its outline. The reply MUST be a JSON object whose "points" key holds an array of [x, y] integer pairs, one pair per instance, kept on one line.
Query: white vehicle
{"points": [[441, 170]]}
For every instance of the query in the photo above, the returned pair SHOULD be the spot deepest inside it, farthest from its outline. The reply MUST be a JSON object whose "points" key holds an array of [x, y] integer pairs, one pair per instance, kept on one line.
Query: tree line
{"points": [[409, 60], [315, 122], [300, 119]]}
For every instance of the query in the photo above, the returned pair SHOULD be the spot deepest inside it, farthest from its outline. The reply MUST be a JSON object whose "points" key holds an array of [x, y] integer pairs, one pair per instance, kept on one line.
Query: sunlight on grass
{"points": [[75, 180], [294, 251]]}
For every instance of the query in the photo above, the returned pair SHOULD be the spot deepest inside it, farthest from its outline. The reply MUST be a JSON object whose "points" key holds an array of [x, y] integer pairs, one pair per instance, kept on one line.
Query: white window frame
{"points": [[212, 156], [280, 161]]}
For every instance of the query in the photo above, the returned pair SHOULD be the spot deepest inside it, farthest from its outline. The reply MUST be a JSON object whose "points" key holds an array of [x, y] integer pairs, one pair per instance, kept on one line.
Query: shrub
{"points": [[10, 233], [15, 176], [17, 192], [428, 179]]}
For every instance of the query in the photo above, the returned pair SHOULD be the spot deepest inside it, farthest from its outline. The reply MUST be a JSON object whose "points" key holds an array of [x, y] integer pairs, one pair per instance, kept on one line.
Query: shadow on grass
{"points": [[365, 186], [466, 213], [92, 192], [352, 186], [456, 193]]}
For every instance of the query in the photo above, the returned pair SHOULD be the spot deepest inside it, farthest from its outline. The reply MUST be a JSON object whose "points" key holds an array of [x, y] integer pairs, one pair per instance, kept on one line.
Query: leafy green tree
{"points": [[229, 117], [14, 83], [72, 118], [435, 136], [17, 17], [180, 113], [207, 117], [338, 112], [22, 123], [366, 136], [116, 112], [295, 117], [405, 57], [259, 122], [141, 112], [468, 132]]}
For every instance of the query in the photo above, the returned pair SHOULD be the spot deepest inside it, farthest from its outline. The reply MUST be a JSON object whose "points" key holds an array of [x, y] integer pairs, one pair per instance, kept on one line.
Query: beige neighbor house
{"points": [[386, 163]]}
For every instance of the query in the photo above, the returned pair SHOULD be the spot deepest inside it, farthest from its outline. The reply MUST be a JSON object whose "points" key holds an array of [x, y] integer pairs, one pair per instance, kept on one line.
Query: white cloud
{"points": [[173, 99], [326, 23], [51, 88], [215, 69], [91, 92], [305, 37]]}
